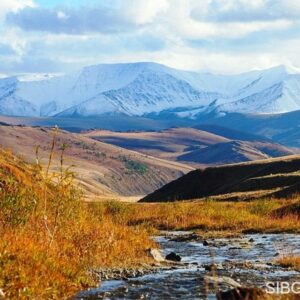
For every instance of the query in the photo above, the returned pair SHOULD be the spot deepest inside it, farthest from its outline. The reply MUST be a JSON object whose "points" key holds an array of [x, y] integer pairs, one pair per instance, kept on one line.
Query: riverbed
{"points": [[248, 260]]}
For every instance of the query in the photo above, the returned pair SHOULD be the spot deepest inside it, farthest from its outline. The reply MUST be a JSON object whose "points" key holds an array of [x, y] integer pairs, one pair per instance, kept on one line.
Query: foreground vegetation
{"points": [[50, 238]]}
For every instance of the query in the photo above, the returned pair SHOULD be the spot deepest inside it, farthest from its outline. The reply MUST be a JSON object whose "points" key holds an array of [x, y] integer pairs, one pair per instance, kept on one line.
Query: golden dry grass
{"points": [[292, 262], [213, 216], [50, 238], [30, 269]]}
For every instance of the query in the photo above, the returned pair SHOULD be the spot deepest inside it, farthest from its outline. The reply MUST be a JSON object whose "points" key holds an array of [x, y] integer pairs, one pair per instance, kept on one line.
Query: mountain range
{"points": [[151, 90]]}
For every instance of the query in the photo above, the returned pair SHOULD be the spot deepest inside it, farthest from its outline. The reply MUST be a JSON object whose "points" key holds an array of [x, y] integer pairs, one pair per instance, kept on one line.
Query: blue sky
{"points": [[223, 36]]}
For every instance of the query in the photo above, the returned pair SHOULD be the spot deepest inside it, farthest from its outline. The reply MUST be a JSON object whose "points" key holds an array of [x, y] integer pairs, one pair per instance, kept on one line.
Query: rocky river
{"points": [[207, 266]]}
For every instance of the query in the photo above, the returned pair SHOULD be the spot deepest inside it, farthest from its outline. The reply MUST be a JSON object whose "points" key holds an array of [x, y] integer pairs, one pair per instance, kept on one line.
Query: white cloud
{"points": [[224, 36], [61, 15], [143, 12], [179, 19], [13, 5], [16, 40]]}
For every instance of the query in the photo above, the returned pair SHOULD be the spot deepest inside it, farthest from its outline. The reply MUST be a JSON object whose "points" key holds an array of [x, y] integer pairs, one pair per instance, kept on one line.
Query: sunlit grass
{"points": [[292, 262], [50, 239], [213, 216]]}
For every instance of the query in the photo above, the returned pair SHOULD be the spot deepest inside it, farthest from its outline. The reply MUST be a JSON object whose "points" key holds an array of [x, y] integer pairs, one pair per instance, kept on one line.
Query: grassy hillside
{"points": [[273, 177], [194, 146], [104, 171], [50, 238], [167, 144]]}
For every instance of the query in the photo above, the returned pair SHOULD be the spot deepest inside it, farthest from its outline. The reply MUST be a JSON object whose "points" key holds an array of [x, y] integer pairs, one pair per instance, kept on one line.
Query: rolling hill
{"points": [[168, 144], [194, 146], [234, 152], [279, 177], [103, 170]]}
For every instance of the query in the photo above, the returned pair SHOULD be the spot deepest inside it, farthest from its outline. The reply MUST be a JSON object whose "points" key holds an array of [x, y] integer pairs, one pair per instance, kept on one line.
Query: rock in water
{"points": [[205, 243], [231, 283], [173, 256], [156, 254]]}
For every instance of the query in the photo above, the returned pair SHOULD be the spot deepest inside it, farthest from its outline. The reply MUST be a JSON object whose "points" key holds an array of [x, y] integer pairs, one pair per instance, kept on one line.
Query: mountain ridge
{"points": [[140, 89]]}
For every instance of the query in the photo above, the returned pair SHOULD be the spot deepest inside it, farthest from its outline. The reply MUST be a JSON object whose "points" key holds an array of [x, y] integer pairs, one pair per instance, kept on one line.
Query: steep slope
{"points": [[132, 89], [275, 177], [103, 170], [194, 146], [10, 103], [150, 89], [274, 90]]}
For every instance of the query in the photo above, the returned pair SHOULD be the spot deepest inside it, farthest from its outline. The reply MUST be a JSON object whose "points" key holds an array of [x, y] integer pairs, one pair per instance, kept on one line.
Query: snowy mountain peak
{"points": [[145, 88]]}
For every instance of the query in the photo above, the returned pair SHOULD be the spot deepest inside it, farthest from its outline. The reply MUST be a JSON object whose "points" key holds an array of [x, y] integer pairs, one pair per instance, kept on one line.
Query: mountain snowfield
{"points": [[139, 89]]}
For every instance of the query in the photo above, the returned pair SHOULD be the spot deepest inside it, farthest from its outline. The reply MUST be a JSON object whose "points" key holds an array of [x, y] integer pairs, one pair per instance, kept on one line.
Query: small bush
{"points": [[134, 166], [263, 207]]}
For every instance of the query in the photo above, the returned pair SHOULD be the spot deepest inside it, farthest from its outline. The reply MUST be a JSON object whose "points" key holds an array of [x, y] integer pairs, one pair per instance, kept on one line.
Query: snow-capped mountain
{"points": [[148, 88]]}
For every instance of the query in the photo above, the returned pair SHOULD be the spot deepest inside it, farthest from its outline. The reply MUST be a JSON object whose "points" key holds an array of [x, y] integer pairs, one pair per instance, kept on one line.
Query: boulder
{"points": [[173, 256], [156, 254], [205, 243]]}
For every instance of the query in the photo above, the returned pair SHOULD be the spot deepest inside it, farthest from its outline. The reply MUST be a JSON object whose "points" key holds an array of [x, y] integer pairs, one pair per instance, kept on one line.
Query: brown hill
{"points": [[104, 171], [235, 152], [193, 146], [168, 144], [273, 177]]}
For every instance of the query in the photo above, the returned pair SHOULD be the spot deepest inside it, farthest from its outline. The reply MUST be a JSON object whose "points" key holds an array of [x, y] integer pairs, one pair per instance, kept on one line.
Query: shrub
{"points": [[134, 166]]}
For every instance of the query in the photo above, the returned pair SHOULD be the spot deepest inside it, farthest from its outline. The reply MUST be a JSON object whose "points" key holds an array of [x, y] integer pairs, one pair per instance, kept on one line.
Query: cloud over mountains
{"points": [[212, 35]]}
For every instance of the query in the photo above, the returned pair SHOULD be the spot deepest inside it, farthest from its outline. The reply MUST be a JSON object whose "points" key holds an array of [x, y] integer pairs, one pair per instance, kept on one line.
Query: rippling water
{"points": [[188, 281]]}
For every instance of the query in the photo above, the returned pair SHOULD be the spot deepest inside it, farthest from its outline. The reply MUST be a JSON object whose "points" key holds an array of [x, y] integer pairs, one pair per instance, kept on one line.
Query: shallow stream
{"points": [[247, 259]]}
